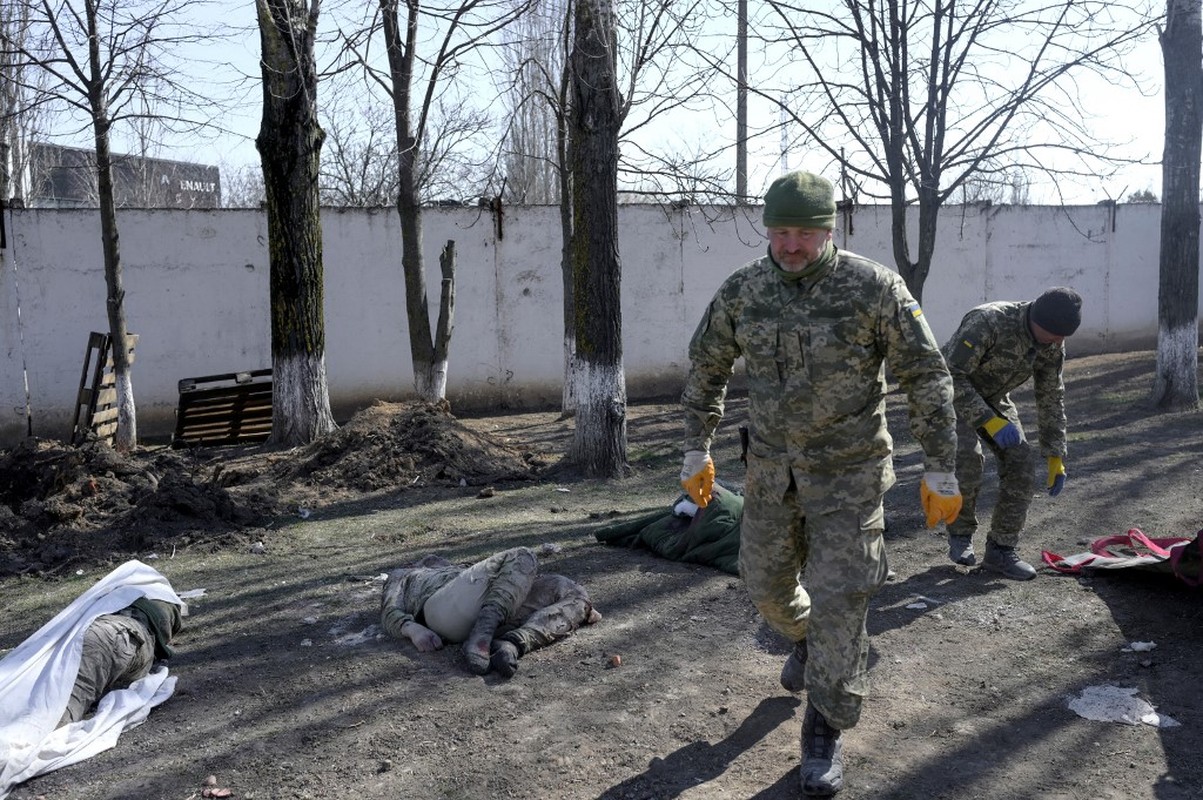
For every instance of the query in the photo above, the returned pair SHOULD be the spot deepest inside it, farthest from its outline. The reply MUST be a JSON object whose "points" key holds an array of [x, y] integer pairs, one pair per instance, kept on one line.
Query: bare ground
{"points": [[287, 690]]}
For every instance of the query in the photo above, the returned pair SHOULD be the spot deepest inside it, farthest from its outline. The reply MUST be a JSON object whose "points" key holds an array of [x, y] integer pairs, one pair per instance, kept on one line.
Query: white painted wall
{"points": [[197, 294]]}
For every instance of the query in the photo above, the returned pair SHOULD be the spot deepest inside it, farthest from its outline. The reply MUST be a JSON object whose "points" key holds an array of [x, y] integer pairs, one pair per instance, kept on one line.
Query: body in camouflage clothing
{"points": [[120, 648], [995, 350], [815, 343], [434, 600]]}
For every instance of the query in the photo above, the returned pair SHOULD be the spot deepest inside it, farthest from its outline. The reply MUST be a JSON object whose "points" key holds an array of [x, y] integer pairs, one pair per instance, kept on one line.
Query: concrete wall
{"points": [[197, 294]]}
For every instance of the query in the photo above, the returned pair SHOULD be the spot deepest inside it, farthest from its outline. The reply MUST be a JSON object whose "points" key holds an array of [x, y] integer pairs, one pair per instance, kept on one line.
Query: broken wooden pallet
{"points": [[96, 401], [231, 408]]}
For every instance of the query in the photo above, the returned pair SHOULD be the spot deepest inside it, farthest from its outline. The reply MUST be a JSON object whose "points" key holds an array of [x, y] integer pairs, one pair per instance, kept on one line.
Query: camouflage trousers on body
{"points": [[1016, 482], [117, 650], [554, 608], [539, 609], [810, 572]]}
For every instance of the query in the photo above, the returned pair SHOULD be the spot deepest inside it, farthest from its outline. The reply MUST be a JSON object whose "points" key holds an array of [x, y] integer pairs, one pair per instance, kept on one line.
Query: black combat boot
{"points": [[504, 659], [822, 770], [960, 550], [793, 674], [1006, 562]]}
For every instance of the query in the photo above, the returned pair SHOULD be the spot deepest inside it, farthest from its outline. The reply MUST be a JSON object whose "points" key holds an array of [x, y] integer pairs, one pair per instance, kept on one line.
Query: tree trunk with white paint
{"points": [[290, 144], [599, 447], [427, 348], [126, 437], [1177, 383]]}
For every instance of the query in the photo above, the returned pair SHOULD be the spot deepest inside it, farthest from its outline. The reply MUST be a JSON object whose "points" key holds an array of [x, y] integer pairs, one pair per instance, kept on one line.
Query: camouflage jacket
{"points": [[407, 589], [815, 351], [992, 353]]}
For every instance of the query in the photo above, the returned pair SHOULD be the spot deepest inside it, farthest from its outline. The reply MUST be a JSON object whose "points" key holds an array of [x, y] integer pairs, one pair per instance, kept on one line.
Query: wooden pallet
{"points": [[232, 408], [96, 402]]}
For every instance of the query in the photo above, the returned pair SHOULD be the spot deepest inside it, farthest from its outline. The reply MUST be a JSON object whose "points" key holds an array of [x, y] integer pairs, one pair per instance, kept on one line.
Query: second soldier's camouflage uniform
{"points": [[991, 354], [539, 608], [819, 457]]}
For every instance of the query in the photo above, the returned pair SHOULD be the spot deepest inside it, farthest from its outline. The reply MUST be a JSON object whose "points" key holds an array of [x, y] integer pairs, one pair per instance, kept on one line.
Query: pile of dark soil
{"points": [[63, 507], [391, 445]]}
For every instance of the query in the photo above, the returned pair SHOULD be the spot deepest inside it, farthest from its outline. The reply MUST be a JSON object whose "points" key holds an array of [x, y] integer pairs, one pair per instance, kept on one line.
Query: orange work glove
{"points": [[697, 476], [941, 497]]}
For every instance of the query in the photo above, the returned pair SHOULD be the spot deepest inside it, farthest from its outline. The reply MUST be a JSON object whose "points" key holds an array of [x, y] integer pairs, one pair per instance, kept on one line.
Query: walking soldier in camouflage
{"points": [[501, 608], [996, 349], [816, 327]]}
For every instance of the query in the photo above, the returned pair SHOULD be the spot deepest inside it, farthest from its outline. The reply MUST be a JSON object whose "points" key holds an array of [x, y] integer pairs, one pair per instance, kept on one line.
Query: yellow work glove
{"points": [[697, 476], [941, 497], [1002, 432], [1056, 476]]}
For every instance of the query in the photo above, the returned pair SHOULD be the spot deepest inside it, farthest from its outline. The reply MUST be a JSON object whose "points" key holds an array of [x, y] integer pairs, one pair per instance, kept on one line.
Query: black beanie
{"points": [[1058, 311], [800, 200]]}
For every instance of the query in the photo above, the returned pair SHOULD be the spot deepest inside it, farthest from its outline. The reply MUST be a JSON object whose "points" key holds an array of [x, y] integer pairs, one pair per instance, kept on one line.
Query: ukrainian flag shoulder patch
{"points": [[914, 310]]}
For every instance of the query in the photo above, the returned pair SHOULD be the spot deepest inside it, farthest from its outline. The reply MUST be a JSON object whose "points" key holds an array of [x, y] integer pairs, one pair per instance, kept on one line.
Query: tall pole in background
{"points": [[741, 107]]}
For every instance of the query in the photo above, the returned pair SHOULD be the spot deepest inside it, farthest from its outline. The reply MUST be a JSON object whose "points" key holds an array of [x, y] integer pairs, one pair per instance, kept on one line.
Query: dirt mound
{"points": [[63, 506], [395, 445]]}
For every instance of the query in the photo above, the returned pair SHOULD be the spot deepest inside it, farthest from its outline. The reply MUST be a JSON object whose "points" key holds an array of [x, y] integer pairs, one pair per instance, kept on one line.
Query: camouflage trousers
{"points": [[539, 609], [1016, 482], [810, 569], [117, 650], [555, 607]]}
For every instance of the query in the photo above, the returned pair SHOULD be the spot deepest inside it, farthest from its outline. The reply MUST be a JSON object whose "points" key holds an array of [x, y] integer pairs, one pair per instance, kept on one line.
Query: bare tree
{"points": [[658, 73], [1177, 383], [242, 187], [290, 144], [536, 103], [420, 78], [141, 190], [654, 76], [599, 445], [18, 112], [451, 164], [360, 167], [103, 63], [991, 186], [925, 95]]}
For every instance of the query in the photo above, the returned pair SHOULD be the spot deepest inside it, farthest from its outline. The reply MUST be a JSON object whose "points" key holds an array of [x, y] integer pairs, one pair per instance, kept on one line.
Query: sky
{"points": [[1122, 115]]}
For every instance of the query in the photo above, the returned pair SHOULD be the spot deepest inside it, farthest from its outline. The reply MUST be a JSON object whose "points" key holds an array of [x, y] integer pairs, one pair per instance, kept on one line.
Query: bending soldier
{"points": [[997, 348]]}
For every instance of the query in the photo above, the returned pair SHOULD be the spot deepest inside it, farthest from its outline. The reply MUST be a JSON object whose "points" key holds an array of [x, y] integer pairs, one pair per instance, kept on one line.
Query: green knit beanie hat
{"points": [[800, 200]]}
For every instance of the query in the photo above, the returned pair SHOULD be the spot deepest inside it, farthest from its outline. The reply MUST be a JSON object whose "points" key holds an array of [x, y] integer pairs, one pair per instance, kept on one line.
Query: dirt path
{"points": [[287, 690]]}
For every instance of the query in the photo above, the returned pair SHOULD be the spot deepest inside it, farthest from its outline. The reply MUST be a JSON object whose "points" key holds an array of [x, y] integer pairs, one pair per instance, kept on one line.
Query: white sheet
{"points": [[37, 676]]}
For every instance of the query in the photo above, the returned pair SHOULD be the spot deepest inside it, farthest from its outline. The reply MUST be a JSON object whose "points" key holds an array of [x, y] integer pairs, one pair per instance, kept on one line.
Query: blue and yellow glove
{"points": [[697, 476], [941, 497], [1002, 432], [1056, 476]]}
